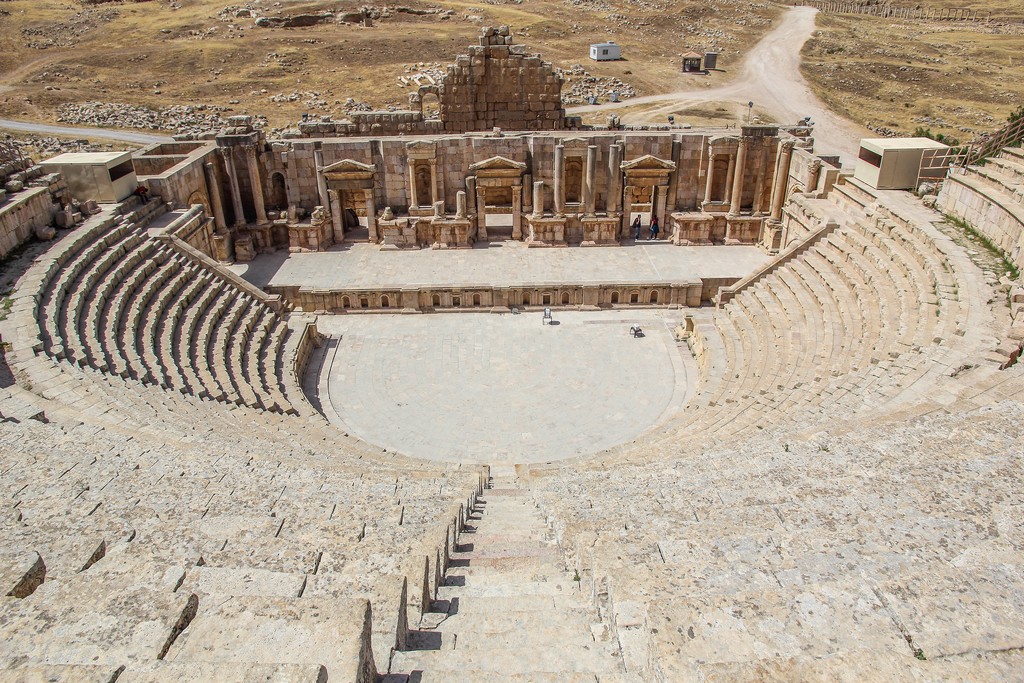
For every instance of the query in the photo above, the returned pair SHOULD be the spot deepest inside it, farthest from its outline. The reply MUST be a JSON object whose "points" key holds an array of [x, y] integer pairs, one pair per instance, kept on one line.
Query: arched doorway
{"points": [[278, 193]]}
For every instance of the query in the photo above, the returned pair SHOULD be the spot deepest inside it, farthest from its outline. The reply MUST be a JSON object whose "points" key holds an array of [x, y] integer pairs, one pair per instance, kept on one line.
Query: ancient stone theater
{"points": [[416, 399]]}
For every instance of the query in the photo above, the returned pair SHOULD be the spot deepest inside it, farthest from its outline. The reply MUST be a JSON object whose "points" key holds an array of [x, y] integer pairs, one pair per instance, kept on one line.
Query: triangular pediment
{"points": [[724, 140], [648, 163], [575, 143], [498, 163], [349, 166]]}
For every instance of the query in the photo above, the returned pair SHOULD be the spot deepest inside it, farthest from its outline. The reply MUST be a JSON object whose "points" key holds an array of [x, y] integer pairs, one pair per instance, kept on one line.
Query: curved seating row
{"points": [[841, 327], [127, 304]]}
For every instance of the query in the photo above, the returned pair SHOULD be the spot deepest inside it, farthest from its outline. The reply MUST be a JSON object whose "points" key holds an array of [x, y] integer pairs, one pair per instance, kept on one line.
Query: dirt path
{"points": [[72, 131], [8, 80], [771, 79]]}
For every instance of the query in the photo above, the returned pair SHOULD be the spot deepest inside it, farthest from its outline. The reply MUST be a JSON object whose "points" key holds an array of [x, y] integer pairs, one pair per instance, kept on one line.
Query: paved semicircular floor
{"points": [[478, 387]]}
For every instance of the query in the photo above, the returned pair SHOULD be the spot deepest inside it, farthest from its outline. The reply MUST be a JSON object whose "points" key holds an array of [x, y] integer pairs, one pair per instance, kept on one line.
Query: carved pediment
{"points": [[421, 149], [498, 166], [349, 168], [724, 141], [576, 144], [648, 163]]}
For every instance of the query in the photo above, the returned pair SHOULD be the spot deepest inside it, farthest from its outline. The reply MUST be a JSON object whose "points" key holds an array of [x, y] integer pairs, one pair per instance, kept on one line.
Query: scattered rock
{"points": [[581, 85], [178, 119]]}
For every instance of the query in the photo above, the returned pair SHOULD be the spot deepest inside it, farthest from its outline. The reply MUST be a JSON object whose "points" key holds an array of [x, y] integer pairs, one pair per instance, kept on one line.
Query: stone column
{"points": [[337, 217], [614, 179], [471, 193], [710, 179], [481, 212], [590, 183], [559, 181], [729, 173], [434, 194], [460, 204], [371, 215], [660, 201], [413, 199], [781, 174], [737, 181], [762, 163], [517, 212], [257, 185], [813, 175], [627, 210], [538, 198], [528, 193], [321, 182], [236, 194], [213, 192]]}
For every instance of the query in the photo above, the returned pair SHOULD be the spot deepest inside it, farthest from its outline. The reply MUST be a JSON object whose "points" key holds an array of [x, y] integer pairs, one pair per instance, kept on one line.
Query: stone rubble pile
{"points": [[580, 85], [352, 105], [423, 73], [593, 5], [245, 11], [179, 119], [67, 33], [43, 147], [309, 99]]}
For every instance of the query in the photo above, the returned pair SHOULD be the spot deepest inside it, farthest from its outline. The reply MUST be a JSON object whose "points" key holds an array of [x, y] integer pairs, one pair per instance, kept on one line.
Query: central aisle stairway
{"points": [[508, 610]]}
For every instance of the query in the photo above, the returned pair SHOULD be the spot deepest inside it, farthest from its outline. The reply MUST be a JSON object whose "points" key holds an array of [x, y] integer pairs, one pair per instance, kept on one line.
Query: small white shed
{"points": [[899, 163], [603, 52], [107, 177]]}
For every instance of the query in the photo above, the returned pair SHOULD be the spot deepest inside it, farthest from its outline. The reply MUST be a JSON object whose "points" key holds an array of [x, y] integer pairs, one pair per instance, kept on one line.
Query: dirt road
{"points": [[91, 133], [771, 79]]}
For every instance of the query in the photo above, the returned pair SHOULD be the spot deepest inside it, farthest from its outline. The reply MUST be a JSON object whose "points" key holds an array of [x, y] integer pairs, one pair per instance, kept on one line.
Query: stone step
{"points": [[484, 572], [449, 636], [249, 630], [521, 559], [511, 588], [553, 659], [206, 672], [61, 673], [508, 620], [493, 677], [462, 605]]}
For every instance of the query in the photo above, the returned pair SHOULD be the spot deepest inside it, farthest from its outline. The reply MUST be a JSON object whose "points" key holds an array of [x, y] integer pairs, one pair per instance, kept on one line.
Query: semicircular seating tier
{"points": [[114, 298]]}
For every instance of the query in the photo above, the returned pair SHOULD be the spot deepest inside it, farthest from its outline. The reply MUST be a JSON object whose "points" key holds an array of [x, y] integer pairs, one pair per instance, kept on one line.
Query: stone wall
{"points": [[557, 188], [29, 202], [483, 298], [496, 85], [996, 214], [174, 172]]}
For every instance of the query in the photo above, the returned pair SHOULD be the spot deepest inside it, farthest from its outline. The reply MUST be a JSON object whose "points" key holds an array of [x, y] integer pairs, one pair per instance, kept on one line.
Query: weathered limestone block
{"points": [[21, 573]]}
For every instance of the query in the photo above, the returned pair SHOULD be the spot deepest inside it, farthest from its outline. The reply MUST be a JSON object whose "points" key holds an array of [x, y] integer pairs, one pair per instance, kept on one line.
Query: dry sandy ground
{"points": [[771, 79], [955, 78], [150, 54]]}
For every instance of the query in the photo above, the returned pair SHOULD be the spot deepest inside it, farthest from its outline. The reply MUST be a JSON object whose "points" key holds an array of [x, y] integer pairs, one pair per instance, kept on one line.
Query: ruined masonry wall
{"points": [[498, 84], [454, 155]]}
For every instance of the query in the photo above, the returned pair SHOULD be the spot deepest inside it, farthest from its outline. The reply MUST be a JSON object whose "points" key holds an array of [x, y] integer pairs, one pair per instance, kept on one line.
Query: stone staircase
{"points": [[507, 609], [990, 196]]}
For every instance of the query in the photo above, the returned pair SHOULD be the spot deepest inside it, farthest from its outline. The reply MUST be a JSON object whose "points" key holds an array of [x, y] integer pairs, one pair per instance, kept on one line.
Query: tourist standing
{"points": [[654, 227], [636, 228]]}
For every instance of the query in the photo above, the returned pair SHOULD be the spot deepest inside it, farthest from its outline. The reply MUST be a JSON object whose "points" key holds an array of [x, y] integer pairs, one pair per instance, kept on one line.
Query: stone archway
{"points": [[646, 178], [350, 188], [278, 192], [499, 190]]}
